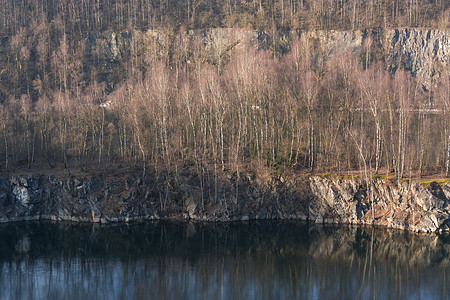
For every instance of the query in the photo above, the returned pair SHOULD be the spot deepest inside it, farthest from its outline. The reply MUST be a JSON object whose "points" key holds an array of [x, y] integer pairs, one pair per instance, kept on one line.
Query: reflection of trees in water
{"points": [[254, 260]]}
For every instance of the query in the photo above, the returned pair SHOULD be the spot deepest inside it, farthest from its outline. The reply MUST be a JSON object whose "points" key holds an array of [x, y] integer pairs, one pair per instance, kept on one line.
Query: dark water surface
{"points": [[255, 260]]}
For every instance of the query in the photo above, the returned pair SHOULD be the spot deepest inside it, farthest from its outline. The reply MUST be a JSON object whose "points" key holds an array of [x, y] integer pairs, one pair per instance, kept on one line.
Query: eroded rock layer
{"points": [[109, 198], [386, 202]]}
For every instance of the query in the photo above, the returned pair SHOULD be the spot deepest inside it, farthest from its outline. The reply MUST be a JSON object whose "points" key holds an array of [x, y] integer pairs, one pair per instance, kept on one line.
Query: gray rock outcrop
{"points": [[422, 52], [114, 198], [111, 198], [391, 203]]}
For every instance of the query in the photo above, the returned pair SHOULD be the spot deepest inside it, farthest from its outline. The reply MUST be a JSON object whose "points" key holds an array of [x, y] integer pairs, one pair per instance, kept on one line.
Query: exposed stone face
{"points": [[111, 199], [335, 42], [321, 200], [393, 204], [21, 195], [108, 45], [423, 52]]}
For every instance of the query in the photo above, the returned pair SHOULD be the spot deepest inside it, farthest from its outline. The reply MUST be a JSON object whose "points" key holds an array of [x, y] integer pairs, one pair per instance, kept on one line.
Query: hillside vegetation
{"points": [[88, 84]]}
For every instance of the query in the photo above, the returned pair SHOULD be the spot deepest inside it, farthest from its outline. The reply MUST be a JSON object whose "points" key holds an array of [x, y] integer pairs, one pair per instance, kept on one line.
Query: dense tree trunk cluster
{"points": [[81, 16], [171, 104], [51, 44], [303, 111]]}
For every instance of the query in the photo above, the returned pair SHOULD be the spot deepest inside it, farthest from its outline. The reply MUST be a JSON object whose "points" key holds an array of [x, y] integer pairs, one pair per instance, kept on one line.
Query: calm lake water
{"points": [[255, 260]]}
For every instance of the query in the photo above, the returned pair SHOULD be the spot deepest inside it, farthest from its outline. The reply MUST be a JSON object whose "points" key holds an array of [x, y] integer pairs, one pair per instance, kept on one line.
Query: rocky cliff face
{"points": [[335, 42], [422, 52], [326, 200], [112, 198], [108, 46], [387, 202]]}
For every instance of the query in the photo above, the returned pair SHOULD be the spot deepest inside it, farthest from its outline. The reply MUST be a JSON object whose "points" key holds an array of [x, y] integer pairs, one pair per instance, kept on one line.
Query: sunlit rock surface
{"points": [[392, 203], [422, 52], [322, 199]]}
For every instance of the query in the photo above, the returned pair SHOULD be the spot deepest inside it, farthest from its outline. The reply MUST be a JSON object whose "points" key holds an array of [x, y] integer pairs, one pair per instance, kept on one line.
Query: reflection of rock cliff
{"points": [[266, 260], [347, 243], [259, 238]]}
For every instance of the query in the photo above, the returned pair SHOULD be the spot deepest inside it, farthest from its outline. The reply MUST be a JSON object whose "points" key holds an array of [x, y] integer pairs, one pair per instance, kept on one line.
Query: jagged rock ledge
{"points": [[118, 198], [322, 199], [387, 202]]}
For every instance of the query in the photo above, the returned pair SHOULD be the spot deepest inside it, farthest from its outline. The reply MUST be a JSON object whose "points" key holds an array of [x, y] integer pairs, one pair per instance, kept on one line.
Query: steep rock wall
{"points": [[388, 203], [422, 52], [110, 198]]}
